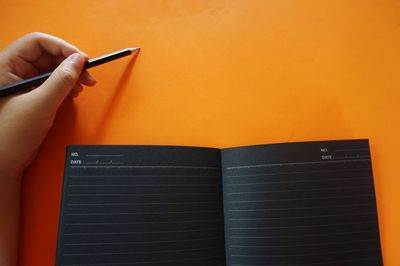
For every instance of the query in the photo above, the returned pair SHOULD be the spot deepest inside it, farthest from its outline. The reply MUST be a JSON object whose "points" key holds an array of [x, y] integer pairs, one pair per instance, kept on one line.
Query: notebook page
{"points": [[300, 204], [141, 205]]}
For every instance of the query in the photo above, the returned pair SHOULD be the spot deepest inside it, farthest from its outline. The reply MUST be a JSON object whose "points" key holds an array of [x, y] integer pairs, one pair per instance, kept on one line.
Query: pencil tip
{"points": [[135, 49]]}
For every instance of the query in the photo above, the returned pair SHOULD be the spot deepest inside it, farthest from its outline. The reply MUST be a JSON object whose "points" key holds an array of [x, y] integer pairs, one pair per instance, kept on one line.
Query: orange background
{"points": [[220, 73]]}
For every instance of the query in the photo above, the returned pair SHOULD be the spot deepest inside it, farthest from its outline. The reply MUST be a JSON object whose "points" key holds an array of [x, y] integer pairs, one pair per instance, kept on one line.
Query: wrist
{"points": [[12, 167]]}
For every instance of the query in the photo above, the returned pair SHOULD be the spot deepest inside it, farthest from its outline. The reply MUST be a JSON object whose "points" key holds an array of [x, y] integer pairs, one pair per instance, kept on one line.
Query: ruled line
{"points": [[129, 223], [305, 235], [306, 245], [132, 194], [360, 149], [301, 172], [104, 155], [138, 252], [143, 204], [300, 181], [140, 176], [297, 199], [141, 232], [131, 213], [294, 190], [295, 163], [301, 226], [301, 208], [146, 166], [351, 157], [103, 163], [337, 262], [144, 185], [303, 254], [143, 262], [300, 217], [140, 242]]}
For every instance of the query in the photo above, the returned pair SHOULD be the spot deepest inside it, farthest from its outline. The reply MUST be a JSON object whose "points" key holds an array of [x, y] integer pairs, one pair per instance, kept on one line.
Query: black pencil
{"points": [[38, 80]]}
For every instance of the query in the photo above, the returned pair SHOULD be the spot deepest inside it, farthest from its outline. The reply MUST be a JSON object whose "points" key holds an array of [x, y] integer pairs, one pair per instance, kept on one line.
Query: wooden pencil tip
{"points": [[135, 49]]}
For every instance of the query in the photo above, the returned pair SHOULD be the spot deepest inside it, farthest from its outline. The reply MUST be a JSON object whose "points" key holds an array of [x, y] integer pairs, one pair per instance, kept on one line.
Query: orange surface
{"points": [[220, 73]]}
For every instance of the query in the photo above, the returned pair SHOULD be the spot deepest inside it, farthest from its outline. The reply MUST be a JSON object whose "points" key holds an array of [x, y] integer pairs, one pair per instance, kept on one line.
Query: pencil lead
{"points": [[135, 49]]}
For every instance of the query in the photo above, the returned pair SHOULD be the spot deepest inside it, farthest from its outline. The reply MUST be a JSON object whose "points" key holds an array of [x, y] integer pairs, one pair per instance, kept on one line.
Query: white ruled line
{"points": [[135, 213], [104, 155], [139, 223], [301, 181], [300, 172], [300, 226], [144, 185], [297, 199], [336, 262], [305, 235], [141, 242], [141, 232], [302, 208], [304, 254], [143, 204], [293, 190], [138, 252], [142, 176], [143, 262], [301, 217], [146, 194], [362, 149], [296, 163], [307, 245], [146, 166]]}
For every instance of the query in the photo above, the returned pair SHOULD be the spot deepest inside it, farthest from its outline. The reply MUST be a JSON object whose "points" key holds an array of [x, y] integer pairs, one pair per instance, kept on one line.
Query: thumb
{"points": [[56, 88]]}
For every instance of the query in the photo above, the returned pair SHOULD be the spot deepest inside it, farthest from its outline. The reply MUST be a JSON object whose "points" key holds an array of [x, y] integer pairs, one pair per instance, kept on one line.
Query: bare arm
{"points": [[26, 118]]}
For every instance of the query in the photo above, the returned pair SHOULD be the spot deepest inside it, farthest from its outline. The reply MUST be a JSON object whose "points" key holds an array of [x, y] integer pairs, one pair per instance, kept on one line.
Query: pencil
{"points": [[38, 80]]}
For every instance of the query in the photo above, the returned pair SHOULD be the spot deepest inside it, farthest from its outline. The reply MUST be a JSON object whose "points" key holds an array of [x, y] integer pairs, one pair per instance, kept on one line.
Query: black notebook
{"points": [[290, 204]]}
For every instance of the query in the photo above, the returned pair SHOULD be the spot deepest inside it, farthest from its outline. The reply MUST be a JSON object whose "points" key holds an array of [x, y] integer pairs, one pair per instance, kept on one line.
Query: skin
{"points": [[30, 114]]}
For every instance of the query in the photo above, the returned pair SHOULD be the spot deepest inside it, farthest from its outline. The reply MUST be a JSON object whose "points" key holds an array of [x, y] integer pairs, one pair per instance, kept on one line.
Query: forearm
{"points": [[10, 193]]}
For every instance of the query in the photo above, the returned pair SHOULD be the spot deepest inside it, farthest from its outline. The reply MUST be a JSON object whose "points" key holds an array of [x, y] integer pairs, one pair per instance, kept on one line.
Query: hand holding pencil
{"points": [[26, 117], [37, 72], [27, 64], [36, 81]]}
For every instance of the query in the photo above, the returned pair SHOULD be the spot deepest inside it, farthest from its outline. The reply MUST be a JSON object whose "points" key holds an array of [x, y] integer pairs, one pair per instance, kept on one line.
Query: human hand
{"points": [[26, 118]]}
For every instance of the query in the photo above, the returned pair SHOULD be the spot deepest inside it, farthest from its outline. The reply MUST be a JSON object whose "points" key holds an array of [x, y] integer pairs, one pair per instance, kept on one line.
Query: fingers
{"points": [[32, 46], [86, 79], [76, 90], [56, 88], [37, 53]]}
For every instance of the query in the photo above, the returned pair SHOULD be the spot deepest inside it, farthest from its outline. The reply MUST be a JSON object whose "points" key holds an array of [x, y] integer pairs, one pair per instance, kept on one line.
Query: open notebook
{"points": [[292, 204]]}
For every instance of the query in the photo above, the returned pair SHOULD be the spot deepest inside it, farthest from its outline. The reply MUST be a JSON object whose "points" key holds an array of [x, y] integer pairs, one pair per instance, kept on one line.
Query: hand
{"points": [[25, 118]]}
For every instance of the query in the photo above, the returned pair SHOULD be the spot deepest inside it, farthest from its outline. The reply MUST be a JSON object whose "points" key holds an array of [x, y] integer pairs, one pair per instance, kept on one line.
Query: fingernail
{"points": [[92, 80], [76, 59], [85, 55]]}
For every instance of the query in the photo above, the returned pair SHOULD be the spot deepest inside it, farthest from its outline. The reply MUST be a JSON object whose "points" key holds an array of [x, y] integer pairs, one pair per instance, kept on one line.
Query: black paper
{"points": [[296, 204], [291, 204], [141, 205]]}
